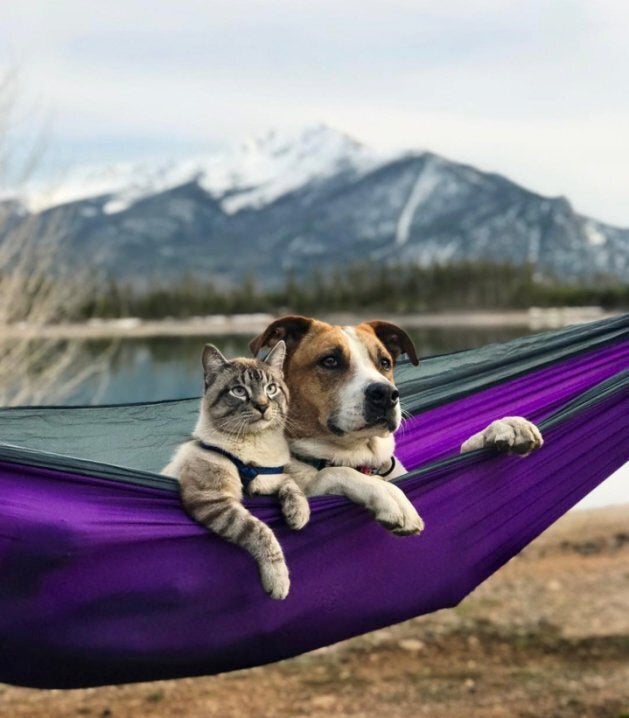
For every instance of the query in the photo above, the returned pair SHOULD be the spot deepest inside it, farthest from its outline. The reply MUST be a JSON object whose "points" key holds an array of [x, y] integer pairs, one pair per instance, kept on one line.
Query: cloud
{"points": [[532, 89]]}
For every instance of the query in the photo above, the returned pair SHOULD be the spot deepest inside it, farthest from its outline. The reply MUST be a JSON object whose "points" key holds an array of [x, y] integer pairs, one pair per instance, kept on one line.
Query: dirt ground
{"points": [[548, 635]]}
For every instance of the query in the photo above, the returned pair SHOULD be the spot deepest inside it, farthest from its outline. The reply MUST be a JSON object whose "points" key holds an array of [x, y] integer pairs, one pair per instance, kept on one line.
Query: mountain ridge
{"points": [[317, 199]]}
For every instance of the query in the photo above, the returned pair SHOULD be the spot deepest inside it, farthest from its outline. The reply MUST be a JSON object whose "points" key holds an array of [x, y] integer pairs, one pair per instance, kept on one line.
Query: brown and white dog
{"points": [[344, 409]]}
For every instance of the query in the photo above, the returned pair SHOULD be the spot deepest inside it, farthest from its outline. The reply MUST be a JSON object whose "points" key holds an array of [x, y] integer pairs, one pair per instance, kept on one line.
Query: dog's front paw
{"points": [[404, 519], [275, 579], [511, 434]]}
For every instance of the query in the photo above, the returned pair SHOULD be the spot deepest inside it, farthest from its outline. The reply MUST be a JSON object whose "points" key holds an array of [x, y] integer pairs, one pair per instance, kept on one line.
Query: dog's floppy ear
{"points": [[290, 329], [396, 340]]}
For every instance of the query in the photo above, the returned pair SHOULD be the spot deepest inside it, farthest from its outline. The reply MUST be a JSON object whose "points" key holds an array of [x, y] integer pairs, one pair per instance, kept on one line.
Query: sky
{"points": [[534, 90]]}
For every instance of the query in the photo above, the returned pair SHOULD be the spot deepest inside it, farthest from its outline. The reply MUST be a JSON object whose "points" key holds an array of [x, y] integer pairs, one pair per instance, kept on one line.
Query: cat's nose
{"points": [[261, 407]]}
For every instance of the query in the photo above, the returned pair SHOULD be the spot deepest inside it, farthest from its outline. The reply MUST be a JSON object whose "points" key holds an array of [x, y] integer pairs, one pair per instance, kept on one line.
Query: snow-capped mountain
{"points": [[247, 175], [311, 199]]}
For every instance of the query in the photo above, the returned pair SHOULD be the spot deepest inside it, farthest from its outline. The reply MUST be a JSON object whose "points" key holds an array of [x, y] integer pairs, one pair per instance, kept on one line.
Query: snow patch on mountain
{"points": [[249, 175], [258, 172], [593, 234], [427, 181]]}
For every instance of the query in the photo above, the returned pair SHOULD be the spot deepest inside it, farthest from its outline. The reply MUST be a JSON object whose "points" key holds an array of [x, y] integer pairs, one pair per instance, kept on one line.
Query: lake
{"points": [[170, 368]]}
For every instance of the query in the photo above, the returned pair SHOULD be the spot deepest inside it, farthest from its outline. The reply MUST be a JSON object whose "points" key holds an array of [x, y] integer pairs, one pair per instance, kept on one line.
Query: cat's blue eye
{"points": [[239, 392], [271, 389]]}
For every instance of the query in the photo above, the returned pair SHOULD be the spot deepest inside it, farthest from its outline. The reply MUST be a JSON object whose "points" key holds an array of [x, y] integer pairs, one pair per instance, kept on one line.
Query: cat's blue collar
{"points": [[247, 472]]}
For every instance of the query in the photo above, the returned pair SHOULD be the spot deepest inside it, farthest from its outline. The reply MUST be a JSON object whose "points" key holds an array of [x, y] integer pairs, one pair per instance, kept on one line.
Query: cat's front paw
{"points": [[511, 434], [296, 510], [275, 579]]}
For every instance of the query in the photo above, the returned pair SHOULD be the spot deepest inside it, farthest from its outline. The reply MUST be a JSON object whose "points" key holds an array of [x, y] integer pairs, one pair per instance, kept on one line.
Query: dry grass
{"points": [[33, 293]]}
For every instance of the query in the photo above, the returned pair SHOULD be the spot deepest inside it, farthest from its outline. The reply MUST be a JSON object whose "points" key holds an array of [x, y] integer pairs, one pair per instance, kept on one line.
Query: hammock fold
{"points": [[104, 579]]}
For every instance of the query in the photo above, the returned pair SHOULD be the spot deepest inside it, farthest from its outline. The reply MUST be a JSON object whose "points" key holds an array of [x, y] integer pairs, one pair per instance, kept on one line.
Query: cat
{"points": [[241, 427]]}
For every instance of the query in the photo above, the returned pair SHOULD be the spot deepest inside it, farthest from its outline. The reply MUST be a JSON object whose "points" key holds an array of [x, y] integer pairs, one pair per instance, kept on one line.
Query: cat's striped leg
{"points": [[223, 514], [295, 506]]}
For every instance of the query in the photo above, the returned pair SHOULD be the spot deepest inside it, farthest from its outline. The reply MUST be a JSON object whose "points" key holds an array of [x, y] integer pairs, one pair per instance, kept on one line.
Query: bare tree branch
{"points": [[34, 289]]}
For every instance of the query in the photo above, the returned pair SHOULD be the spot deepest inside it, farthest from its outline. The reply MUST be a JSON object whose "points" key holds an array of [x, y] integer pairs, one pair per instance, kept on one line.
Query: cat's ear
{"points": [[275, 358], [212, 360]]}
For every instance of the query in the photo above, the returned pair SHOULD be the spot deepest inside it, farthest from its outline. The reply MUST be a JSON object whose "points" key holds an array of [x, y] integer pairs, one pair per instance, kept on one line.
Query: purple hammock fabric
{"points": [[106, 582], [534, 396]]}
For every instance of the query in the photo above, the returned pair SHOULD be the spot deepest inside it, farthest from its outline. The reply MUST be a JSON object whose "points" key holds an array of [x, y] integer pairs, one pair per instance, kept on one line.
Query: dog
{"points": [[345, 408]]}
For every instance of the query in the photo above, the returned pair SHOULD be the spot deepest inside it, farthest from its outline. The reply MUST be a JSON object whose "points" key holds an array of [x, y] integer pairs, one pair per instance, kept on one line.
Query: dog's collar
{"points": [[247, 472], [319, 464]]}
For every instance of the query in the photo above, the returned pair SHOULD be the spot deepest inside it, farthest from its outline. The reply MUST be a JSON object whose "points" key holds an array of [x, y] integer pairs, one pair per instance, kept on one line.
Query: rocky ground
{"points": [[548, 635]]}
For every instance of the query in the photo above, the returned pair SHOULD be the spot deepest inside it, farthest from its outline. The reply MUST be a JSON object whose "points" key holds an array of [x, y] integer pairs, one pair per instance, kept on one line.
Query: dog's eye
{"points": [[271, 389], [385, 363], [238, 391], [330, 362]]}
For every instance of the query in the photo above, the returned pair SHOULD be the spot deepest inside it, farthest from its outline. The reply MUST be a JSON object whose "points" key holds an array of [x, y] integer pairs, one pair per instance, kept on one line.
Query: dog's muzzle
{"points": [[381, 405]]}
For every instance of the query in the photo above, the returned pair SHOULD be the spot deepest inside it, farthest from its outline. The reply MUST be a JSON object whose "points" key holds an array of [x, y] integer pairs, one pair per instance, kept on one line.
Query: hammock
{"points": [[104, 579]]}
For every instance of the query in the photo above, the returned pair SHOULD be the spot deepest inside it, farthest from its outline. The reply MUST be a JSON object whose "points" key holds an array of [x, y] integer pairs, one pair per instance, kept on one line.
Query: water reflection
{"points": [[170, 368]]}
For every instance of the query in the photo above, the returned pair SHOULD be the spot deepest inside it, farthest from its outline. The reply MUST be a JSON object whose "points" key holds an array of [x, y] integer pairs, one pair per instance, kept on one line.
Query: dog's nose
{"points": [[382, 396]]}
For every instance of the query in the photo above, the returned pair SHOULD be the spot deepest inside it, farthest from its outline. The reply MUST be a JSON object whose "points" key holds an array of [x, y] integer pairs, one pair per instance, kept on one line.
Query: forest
{"points": [[391, 288]]}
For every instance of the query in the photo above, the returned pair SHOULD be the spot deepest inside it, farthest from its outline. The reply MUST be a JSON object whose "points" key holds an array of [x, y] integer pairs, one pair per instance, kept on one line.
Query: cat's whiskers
{"points": [[290, 424], [241, 429], [234, 425]]}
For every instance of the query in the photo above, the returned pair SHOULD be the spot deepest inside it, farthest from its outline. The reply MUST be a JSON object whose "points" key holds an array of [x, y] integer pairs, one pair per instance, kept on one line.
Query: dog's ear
{"points": [[396, 340], [290, 329]]}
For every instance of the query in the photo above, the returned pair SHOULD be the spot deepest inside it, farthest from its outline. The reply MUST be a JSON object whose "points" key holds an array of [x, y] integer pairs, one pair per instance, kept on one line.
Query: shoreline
{"points": [[533, 318]]}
